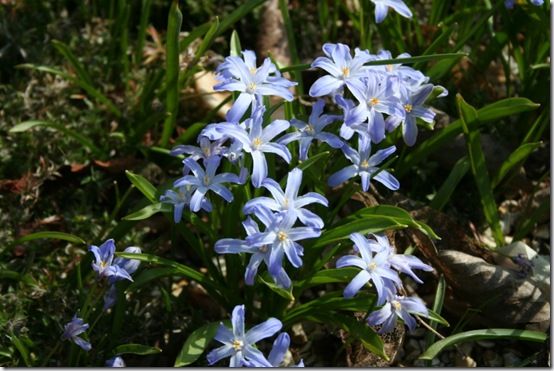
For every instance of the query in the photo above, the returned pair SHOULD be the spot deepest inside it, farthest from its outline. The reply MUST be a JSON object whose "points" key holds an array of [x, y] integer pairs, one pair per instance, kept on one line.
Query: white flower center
{"points": [[282, 235], [364, 164], [309, 129], [372, 266], [345, 71], [396, 304], [257, 142], [251, 87], [237, 344], [373, 101], [408, 107]]}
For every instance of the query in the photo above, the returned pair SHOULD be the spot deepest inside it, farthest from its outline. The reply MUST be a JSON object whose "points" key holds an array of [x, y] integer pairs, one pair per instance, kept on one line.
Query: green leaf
{"points": [[148, 211], [514, 161], [447, 189], [484, 334], [420, 58], [86, 142], [314, 159], [435, 317], [235, 44], [64, 50], [331, 301], [139, 349], [143, 185], [174, 22], [468, 116], [51, 235], [369, 338], [151, 274], [196, 344], [284, 293], [373, 220], [21, 348], [333, 275], [495, 111]]}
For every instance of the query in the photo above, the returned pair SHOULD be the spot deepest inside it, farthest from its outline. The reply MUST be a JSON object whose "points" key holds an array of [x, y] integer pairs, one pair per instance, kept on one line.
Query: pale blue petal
{"points": [[240, 106], [388, 180], [274, 129], [280, 347], [259, 171], [342, 176], [356, 284], [220, 353], [325, 85], [263, 330]]}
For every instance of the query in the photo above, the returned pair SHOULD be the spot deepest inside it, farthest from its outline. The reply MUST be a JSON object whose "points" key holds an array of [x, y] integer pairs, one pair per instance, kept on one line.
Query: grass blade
{"points": [[51, 235], [468, 116], [143, 185], [485, 334], [174, 21], [514, 161], [447, 189], [139, 349]]}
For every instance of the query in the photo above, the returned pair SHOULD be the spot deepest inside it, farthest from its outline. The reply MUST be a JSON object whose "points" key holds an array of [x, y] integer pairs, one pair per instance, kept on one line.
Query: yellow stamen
{"points": [[389, 67], [396, 304], [253, 70], [374, 101], [346, 71], [282, 236], [206, 179], [309, 129], [372, 266], [364, 164], [408, 107], [257, 142], [237, 344], [251, 87]]}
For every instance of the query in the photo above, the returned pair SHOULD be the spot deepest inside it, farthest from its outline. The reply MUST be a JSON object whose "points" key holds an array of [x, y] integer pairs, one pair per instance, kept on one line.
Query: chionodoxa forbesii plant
{"points": [[262, 170]]}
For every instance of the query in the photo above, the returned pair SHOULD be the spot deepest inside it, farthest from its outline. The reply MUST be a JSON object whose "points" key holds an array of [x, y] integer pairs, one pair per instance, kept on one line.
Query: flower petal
{"points": [[356, 284], [263, 330]]}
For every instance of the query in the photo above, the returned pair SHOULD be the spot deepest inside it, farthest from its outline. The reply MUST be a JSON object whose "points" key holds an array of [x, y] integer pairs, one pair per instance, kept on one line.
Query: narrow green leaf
{"points": [[495, 111], [514, 161], [209, 38], [437, 308], [146, 5], [143, 185], [435, 317], [447, 189], [196, 344], [295, 59], [151, 274], [484, 334], [420, 58], [334, 275], [148, 211], [86, 142], [64, 50], [180, 268], [284, 293], [139, 349], [314, 159], [174, 21], [51, 235], [468, 116], [235, 44], [21, 348]]}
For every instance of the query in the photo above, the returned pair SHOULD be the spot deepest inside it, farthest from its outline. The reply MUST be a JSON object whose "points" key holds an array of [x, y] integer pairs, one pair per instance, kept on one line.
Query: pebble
{"points": [[464, 361], [492, 359], [511, 360]]}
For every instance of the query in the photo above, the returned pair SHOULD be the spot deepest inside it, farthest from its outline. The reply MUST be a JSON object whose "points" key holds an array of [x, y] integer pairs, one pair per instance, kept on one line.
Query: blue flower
{"points": [[257, 141], [366, 166], [289, 200], [375, 96], [278, 351], [400, 262], [281, 237], [205, 181], [76, 327], [179, 200], [259, 253], [509, 4], [412, 102], [242, 75], [116, 361], [206, 149], [313, 130], [397, 306], [342, 68], [129, 266], [409, 77], [103, 264], [239, 345], [375, 268], [382, 8]]}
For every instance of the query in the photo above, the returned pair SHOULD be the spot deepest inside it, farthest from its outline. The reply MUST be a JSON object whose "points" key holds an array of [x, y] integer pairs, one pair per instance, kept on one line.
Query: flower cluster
{"points": [[240, 345], [380, 264], [74, 328], [509, 4]]}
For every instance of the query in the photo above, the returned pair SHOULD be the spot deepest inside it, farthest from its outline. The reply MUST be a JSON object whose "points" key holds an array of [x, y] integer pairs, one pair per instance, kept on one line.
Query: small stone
{"points": [[492, 359], [511, 360], [435, 362], [464, 361]]}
